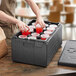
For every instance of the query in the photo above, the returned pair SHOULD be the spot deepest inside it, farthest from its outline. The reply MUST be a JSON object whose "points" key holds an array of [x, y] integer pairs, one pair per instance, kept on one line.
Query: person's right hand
{"points": [[22, 26]]}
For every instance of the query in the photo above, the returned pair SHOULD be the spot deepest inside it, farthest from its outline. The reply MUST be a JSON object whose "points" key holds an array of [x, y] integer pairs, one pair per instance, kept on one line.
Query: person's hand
{"points": [[22, 26], [40, 21]]}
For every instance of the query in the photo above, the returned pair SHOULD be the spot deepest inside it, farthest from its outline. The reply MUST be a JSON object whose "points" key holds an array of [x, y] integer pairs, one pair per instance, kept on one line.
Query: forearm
{"points": [[34, 7], [6, 18]]}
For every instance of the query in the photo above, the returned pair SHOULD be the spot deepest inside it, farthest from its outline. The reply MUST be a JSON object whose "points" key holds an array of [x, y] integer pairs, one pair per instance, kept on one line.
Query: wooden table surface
{"points": [[9, 68]]}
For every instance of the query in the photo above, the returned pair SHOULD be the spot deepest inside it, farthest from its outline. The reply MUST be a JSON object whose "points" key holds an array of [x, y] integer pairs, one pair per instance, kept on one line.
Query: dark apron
{"points": [[8, 6]]}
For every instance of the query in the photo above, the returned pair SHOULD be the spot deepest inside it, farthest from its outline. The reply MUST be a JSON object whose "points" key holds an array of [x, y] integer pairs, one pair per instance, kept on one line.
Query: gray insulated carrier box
{"points": [[36, 52]]}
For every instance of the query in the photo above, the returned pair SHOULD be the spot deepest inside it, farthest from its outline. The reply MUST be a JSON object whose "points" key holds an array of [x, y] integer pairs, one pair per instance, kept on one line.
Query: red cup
{"points": [[26, 32], [48, 32], [53, 26], [22, 36], [31, 37], [51, 29], [39, 29], [44, 36], [35, 34]]}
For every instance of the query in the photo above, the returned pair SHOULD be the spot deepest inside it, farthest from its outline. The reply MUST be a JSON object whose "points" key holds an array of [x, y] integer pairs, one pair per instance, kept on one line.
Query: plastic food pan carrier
{"points": [[36, 52]]}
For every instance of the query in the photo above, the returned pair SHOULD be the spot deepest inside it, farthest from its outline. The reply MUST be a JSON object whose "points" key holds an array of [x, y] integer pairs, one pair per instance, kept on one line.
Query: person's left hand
{"points": [[40, 21]]}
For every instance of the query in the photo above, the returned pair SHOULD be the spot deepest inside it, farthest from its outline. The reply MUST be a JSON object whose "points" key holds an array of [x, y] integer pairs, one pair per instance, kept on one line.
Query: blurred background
{"points": [[63, 11]]}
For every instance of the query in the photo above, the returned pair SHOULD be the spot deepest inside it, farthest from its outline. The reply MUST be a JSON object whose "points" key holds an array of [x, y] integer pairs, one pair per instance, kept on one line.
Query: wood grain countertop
{"points": [[9, 68]]}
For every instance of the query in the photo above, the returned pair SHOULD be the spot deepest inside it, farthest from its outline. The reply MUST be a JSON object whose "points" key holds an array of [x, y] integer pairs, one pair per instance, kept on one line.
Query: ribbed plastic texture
{"points": [[36, 52], [68, 56]]}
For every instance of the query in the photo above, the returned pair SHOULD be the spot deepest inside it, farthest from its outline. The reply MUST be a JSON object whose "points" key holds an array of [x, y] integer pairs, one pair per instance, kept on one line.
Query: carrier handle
{"points": [[38, 44], [28, 43]]}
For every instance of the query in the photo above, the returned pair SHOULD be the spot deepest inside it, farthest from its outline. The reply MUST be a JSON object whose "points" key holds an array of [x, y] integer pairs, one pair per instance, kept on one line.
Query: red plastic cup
{"points": [[44, 36], [39, 29], [51, 29], [55, 26], [35, 34], [48, 32], [26, 32], [22, 36], [31, 37]]}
